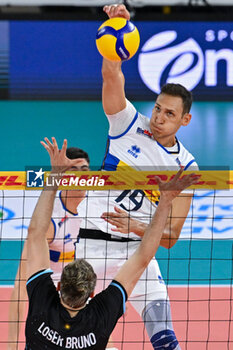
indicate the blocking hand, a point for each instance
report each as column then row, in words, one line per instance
column 176, row 185
column 59, row 161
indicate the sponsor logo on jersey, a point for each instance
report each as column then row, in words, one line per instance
column 134, row 151
column 67, row 238
column 62, row 221
column 35, row 178
column 144, row 132
column 178, row 161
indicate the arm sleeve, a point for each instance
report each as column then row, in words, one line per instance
column 119, row 122
column 192, row 166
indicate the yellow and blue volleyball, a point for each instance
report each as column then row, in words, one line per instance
column 117, row 39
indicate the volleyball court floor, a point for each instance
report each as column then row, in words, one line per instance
column 202, row 318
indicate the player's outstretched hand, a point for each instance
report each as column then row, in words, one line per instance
column 176, row 185
column 58, row 159
column 117, row 11
column 122, row 222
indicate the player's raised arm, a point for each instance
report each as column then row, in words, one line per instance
column 131, row 271
column 37, row 245
column 113, row 91
column 17, row 307
column 179, row 211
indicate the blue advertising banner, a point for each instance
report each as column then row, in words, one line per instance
column 4, row 58
column 54, row 60
column 59, row 59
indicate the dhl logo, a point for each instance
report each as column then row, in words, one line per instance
column 14, row 181
column 120, row 180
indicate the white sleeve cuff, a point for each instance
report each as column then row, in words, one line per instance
column 120, row 121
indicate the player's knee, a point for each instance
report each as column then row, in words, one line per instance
column 166, row 340
column 157, row 318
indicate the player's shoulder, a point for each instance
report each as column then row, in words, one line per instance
column 184, row 151
column 109, row 304
column 187, row 158
column 124, row 121
column 41, row 280
column 39, row 276
column 144, row 121
column 114, row 294
column 130, row 111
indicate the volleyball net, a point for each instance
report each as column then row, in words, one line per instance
column 198, row 270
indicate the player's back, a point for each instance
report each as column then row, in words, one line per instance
column 50, row 326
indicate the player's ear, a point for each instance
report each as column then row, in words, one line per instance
column 92, row 295
column 186, row 119
column 58, row 286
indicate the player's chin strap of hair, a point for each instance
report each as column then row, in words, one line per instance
column 157, row 318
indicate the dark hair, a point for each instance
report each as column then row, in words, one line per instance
column 74, row 152
column 78, row 282
column 179, row 91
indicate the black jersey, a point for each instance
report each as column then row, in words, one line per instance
column 50, row 326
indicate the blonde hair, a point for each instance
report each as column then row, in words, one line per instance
column 78, row 282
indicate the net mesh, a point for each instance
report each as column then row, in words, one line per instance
column 197, row 270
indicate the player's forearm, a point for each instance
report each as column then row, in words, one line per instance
column 113, row 80
column 139, row 228
column 113, row 93
column 16, row 317
column 154, row 231
column 13, row 325
column 12, row 345
column 16, row 313
column 169, row 239
column 134, row 267
column 110, row 69
column 170, row 234
column 176, row 220
column 43, row 211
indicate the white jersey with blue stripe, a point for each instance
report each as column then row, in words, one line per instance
column 66, row 229
column 135, row 146
column 131, row 144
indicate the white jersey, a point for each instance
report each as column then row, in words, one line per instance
column 131, row 143
column 66, row 229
